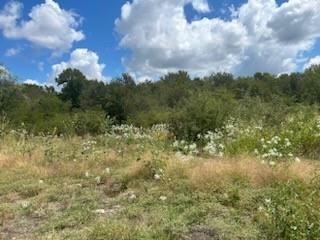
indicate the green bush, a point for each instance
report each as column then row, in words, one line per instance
column 89, row 122
column 202, row 112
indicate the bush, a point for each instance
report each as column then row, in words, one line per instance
column 89, row 122
column 202, row 112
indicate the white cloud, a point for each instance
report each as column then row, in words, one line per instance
column 312, row 61
column 296, row 21
column 49, row 26
column 11, row 52
column 32, row 82
column 84, row 60
column 161, row 39
column 200, row 5
column 261, row 36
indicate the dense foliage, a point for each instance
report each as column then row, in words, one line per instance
column 189, row 106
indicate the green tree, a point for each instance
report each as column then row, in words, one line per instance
column 73, row 82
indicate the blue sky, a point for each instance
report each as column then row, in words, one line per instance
column 152, row 39
column 98, row 26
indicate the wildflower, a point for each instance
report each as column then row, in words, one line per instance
column 132, row 197
column 193, row 147
column 267, row 201
column 25, row 204
column 100, row 211
column 41, row 181
column 294, row 228
column 175, row 144
column 157, row 177
column 98, row 179
column 163, row 198
column 287, row 142
column 107, row 170
column 298, row 160
column 272, row 163
column 87, row 174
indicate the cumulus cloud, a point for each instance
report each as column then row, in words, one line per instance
column 49, row 25
column 200, row 5
column 260, row 36
column 296, row 21
column 161, row 39
column 32, row 82
column 84, row 60
column 312, row 61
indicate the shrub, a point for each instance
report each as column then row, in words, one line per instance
column 204, row 111
column 89, row 122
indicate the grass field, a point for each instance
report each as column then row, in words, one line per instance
column 118, row 187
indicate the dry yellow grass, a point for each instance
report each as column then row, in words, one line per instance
column 200, row 173
column 35, row 164
column 217, row 173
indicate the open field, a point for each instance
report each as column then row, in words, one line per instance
column 118, row 187
column 160, row 120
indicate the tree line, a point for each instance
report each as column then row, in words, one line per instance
column 189, row 105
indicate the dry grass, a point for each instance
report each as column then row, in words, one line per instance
column 61, row 181
column 201, row 173
column 35, row 163
column 305, row 170
column 218, row 173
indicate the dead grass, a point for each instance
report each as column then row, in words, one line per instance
column 61, row 186
column 201, row 173
column 218, row 173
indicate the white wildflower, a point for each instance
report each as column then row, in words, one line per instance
column 132, row 197
column 98, row 179
column 157, row 177
column 272, row 163
column 25, row 204
column 298, row 160
column 100, row 211
column 163, row 198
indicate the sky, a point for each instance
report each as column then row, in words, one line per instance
column 149, row 38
